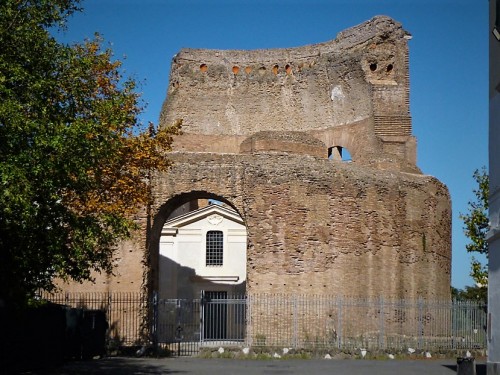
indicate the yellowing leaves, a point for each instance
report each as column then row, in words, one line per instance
column 75, row 162
column 120, row 184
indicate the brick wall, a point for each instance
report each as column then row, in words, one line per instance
column 257, row 128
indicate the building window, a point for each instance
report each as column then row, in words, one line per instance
column 215, row 247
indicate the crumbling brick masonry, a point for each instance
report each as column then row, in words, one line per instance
column 265, row 131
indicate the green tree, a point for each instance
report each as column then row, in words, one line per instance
column 74, row 159
column 476, row 226
column 470, row 293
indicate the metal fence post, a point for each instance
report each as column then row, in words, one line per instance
column 295, row 322
column 420, row 332
column 108, row 309
column 202, row 316
column 154, row 325
column 339, row 322
column 108, row 318
column 453, row 324
column 381, row 340
column 249, row 303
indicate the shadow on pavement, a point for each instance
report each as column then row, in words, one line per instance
column 111, row 366
column 480, row 368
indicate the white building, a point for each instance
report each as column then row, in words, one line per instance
column 493, row 364
column 203, row 251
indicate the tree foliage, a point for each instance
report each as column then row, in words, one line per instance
column 476, row 225
column 470, row 293
column 74, row 160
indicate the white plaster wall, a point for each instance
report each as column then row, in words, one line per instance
column 182, row 268
column 494, row 240
column 167, row 271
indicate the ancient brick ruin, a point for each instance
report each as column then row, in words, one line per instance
column 265, row 131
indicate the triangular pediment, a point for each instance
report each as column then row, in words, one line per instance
column 212, row 212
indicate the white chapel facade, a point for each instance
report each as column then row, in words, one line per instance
column 204, row 250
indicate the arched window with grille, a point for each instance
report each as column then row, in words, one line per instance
column 215, row 248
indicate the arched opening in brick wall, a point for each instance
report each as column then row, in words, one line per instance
column 200, row 246
column 339, row 153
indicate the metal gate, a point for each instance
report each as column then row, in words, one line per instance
column 214, row 307
column 183, row 325
column 223, row 318
column 178, row 326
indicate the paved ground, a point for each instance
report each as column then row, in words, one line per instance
column 148, row 366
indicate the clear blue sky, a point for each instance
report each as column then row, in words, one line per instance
column 448, row 64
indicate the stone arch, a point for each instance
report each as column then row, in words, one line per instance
column 357, row 138
column 220, row 279
column 339, row 153
column 179, row 199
